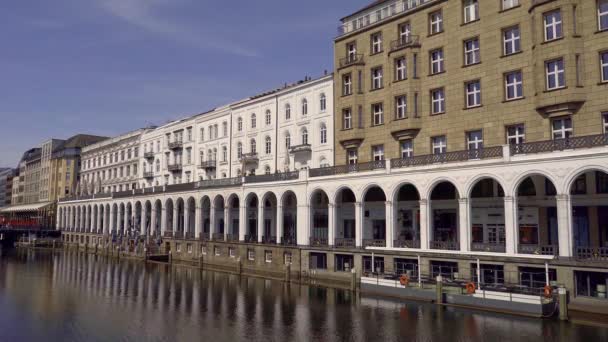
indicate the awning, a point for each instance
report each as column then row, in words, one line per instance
column 25, row 207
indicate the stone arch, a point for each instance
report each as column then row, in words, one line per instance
column 471, row 183
column 522, row 177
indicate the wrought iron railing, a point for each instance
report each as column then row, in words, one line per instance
column 175, row 167
column 232, row 237
column 351, row 168
column 180, row 187
column 149, row 174
column 448, row 157
column 316, row 241
column 591, row 253
column 251, row 238
column 289, row 241
column 445, row 245
column 538, row 249
column 273, row 177
column 149, row 155
column 223, row 182
column 271, row 240
column 571, row 143
column 189, row 235
column 178, row 235
column 374, row 243
column 249, row 157
column 168, row 234
column 300, row 148
column 209, row 164
column 217, row 236
column 488, row 247
column 404, row 42
column 204, row 236
column 344, row 243
column 406, row 243
column 351, row 60
column 176, row 144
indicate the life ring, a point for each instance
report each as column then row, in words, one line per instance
column 404, row 280
column 470, row 288
column 548, row 291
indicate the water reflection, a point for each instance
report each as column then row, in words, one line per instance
column 79, row 297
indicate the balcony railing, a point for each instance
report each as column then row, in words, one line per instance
column 175, row 167
column 232, row 237
column 174, row 145
column 347, row 61
column 571, row 143
column 269, row 240
column 488, row 247
column 204, row 236
column 445, row 245
column 208, row 165
column 300, row 148
column 289, row 241
column 168, row 234
column 406, row 243
column 342, row 169
column 251, row 238
column 449, row 157
column 217, row 237
column 591, row 253
column 404, row 42
column 344, row 243
column 178, row 235
column 249, row 158
column 149, row 155
column 180, row 187
column 538, row 249
column 149, row 174
column 275, row 177
column 216, row 183
column 315, row 241
column 374, row 243
column 189, row 235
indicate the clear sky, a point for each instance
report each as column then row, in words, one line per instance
column 110, row 66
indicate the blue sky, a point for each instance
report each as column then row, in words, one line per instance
column 109, row 66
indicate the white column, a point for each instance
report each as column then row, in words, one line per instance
column 564, row 225
column 112, row 214
column 98, row 226
column 198, row 225
column 302, row 226
column 463, row 225
column 358, row 224
column 260, row 221
column 511, row 230
column 163, row 221
column 186, row 217
column 279, row 223
column 226, row 223
column 152, row 221
column 144, row 220
column 390, row 226
column 212, row 226
column 331, row 224
column 175, row 217
column 242, row 223
column 425, row 224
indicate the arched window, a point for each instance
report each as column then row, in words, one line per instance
column 211, row 137
column 217, row 130
column 157, row 165
column 209, row 155
column 214, row 154
column 224, row 154
column 323, row 102
column 267, row 169
column 268, row 118
column 287, row 140
column 304, row 107
column 252, row 146
column 238, row 172
column 253, row 121
column 304, row 136
column 287, row 111
column 224, row 129
column 201, row 155
column 239, row 124
column 268, row 145
column 224, row 175
column 323, row 134
column 239, row 150
column 323, row 162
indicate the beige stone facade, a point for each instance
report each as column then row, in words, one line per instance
column 579, row 47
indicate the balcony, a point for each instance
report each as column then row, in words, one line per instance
column 343, row 169
column 289, row 241
column 488, row 247
column 406, row 41
column 538, row 249
column 598, row 254
column 189, row 235
column 251, row 238
column 445, row 245
column 148, row 174
column 208, row 165
column 178, row 235
column 204, row 236
column 345, row 243
column 449, row 157
column 249, row 158
column 303, row 148
column 406, row 243
column 232, row 237
column 275, row 177
column 356, row 59
column 217, row 236
column 218, row 183
column 176, row 145
column 315, row 241
column 269, row 240
column 175, row 167
column 572, row 143
column 149, row 155
column 168, row 234
column 374, row 243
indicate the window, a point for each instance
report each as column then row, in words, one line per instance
column 250, row 254
column 605, row 122
column 347, row 84
column 351, row 51
column 602, row 14
column 506, row 4
column 436, row 57
column 347, row 118
column 376, row 41
column 252, row 146
column 231, row 252
column 253, row 120
column 268, row 256
column 439, row 144
column 267, row 170
column 513, row 86
column 401, row 107
column 378, row 152
column 437, row 101
column 562, row 128
column 407, row 149
column 268, row 118
column 553, row 25
column 323, row 134
column 555, row 74
column 304, row 136
column 435, row 22
column 224, row 154
column 287, row 140
column 377, row 114
column 287, row 258
column 471, row 51
column 287, row 111
column 604, row 66
column 225, row 128
column 400, row 69
column 304, row 107
column 516, row 134
column 239, row 124
column 471, row 10
column 511, row 40
column 352, row 156
column 323, row 102
column 239, row 150
column 473, row 94
column 268, row 145
column 475, row 140
column 377, row 78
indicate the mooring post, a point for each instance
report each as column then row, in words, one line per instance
column 563, row 303
column 439, row 290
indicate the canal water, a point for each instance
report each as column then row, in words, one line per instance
column 77, row 297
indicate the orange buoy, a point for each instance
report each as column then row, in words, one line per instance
column 548, row 291
column 470, row 288
column 404, row 280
